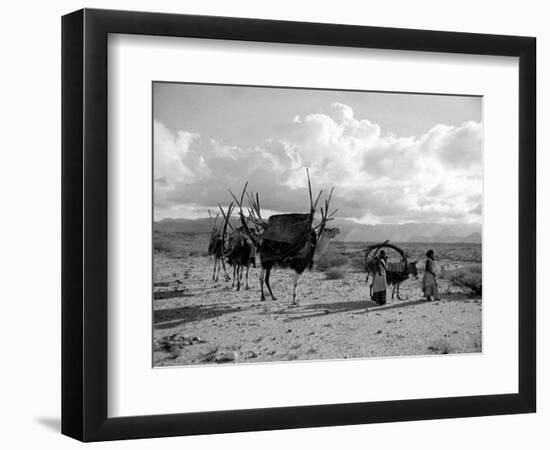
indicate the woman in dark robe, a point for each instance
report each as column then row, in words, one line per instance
column 429, row 282
column 379, row 284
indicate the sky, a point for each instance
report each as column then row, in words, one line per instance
column 391, row 157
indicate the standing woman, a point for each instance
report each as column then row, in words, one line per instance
column 379, row 284
column 429, row 282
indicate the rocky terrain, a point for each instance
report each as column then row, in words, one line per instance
column 200, row 321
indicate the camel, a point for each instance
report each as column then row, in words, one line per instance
column 240, row 255
column 287, row 240
column 216, row 246
column 238, row 251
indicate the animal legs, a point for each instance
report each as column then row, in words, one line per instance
column 239, row 276
column 268, row 271
column 398, row 291
column 262, row 274
column 295, row 278
column 224, row 269
column 246, row 279
column 216, row 266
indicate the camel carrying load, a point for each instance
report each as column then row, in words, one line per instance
column 216, row 244
column 288, row 240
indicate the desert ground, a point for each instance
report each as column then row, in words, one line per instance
column 201, row 321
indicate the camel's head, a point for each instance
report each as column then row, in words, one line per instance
column 329, row 233
column 322, row 244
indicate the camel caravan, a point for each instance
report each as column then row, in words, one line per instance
column 291, row 241
column 284, row 240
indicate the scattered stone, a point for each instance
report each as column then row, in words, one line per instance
column 250, row 354
column 209, row 355
column 378, row 332
column 289, row 331
column 174, row 342
column 226, row 356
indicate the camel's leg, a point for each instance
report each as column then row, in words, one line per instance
column 216, row 266
column 234, row 274
column 393, row 291
column 262, row 274
column 224, row 269
column 239, row 276
column 268, row 271
column 214, row 273
column 398, row 291
column 246, row 278
column 295, row 278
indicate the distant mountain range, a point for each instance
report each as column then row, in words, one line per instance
column 353, row 231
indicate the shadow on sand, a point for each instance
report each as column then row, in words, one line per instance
column 171, row 317
column 323, row 309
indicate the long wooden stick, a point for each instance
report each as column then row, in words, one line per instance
column 309, row 187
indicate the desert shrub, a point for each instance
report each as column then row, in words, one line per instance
column 468, row 277
column 334, row 273
column 357, row 263
column 442, row 347
column 331, row 259
column 162, row 246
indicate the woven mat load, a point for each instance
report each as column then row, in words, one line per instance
column 287, row 228
column 397, row 266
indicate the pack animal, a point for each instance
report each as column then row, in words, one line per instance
column 396, row 273
column 240, row 254
column 216, row 248
column 287, row 240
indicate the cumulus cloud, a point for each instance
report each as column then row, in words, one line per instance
column 377, row 177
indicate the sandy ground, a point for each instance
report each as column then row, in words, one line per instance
column 205, row 322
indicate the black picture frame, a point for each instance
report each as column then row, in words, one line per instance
column 84, row 224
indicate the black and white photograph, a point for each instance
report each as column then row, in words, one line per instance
column 294, row 224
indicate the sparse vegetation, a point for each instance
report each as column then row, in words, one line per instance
column 331, row 259
column 332, row 303
column 334, row 273
column 357, row 263
column 162, row 246
column 468, row 277
column 179, row 245
column 442, row 347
